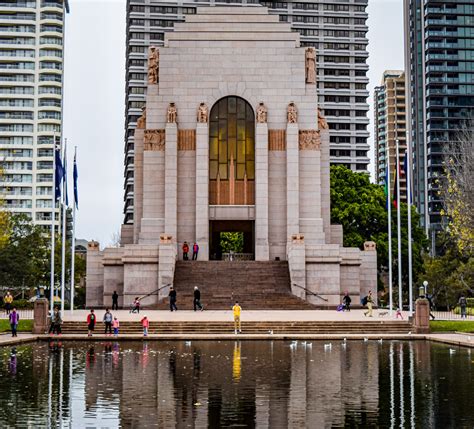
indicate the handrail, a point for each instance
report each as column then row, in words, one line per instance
column 152, row 293
column 310, row 292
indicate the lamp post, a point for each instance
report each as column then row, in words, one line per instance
column 423, row 289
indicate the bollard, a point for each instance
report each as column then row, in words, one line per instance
column 40, row 316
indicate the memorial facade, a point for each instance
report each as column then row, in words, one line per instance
column 231, row 140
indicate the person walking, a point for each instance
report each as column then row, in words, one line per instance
column 8, row 300
column 236, row 309
column 463, row 304
column 195, row 251
column 185, row 251
column 197, row 299
column 145, row 324
column 430, row 302
column 116, row 326
column 115, row 301
column 91, row 319
column 14, row 319
column 56, row 321
column 172, row 297
column 135, row 307
column 370, row 302
column 108, row 321
column 347, row 301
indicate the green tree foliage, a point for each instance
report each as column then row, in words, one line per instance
column 232, row 241
column 360, row 207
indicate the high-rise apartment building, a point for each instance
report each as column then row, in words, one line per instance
column 439, row 58
column 336, row 28
column 390, row 126
column 31, row 85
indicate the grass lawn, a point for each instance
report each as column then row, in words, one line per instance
column 452, row 325
column 24, row 326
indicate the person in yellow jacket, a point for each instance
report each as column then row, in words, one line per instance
column 237, row 309
column 8, row 300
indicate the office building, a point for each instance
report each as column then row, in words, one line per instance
column 390, row 126
column 31, row 84
column 439, row 58
column 336, row 29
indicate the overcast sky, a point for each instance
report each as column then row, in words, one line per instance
column 95, row 97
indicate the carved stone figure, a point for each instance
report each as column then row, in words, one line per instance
column 202, row 113
column 309, row 140
column 292, row 113
column 310, row 65
column 172, row 114
column 262, row 113
column 141, row 121
column 154, row 140
column 322, row 123
column 153, row 64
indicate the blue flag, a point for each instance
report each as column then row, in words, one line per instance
column 74, row 176
column 65, row 177
column 59, row 172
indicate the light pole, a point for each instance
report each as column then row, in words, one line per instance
column 424, row 289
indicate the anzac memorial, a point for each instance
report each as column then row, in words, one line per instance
column 231, row 140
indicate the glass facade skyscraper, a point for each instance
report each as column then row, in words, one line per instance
column 440, row 79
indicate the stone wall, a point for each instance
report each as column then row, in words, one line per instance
column 94, row 276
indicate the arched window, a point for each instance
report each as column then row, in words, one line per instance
column 232, row 153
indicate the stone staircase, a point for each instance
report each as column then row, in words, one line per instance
column 258, row 327
column 256, row 285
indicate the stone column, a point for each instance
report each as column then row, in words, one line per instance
column 171, row 180
column 422, row 316
column 202, row 190
column 292, row 181
column 261, row 193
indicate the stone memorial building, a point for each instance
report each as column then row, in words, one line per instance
column 231, row 140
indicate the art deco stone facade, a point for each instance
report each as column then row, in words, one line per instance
column 247, row 54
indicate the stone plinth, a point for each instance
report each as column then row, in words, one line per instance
column 41, row 311
column 422, row 316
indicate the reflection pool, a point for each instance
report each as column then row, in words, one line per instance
column 264, row 384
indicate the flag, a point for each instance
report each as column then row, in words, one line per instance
column 385, row 190
column 405, row 170
column 66, row 199
column 59, row 171
column 74, row 177
column 395, row 201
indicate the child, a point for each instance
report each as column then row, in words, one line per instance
column 145, row 323
column 399, row 314
column 116, row 325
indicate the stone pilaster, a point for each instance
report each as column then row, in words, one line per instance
column 202, row 190
column 261, row 193
column 171, row 180
column 292, row 180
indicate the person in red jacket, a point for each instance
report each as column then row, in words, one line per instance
column 91, row 319
column 185, row 251
column 145, row 323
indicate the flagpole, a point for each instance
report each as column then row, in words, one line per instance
column 410, row 250
column 73, row 241
column 389, row 205
column 53, row 218
column 399, row 231
column 63, row 243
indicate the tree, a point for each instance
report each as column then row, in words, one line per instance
column 232, row 241
column 457, row 189
column 360, row 207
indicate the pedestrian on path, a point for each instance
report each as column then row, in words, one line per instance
column 463, row 304
column 430, row 302
column 370, row 302
column 195, row 251
column 145, row 324
column 237, row 310
column 197, row 299
column 185, row 251
column 115, row 301
column 56, row 321
column 172, row 297
column 116, row 326
column 347, row 302
column 8, row 300
column 14, row 318
column 91, row 319
column 135, row 307
column 108, row 321
column 399, row 314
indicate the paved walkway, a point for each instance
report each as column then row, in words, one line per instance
column 247, row 316
column 7, row 339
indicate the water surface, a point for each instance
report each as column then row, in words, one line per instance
column 264, row 384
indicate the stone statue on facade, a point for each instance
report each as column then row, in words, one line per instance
column 292, row 113
column 310, row 65
column 322, row 123
column 153, row 64
column 202, row 114
column 141, row 121
column 262, row 113
column 172, row 114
